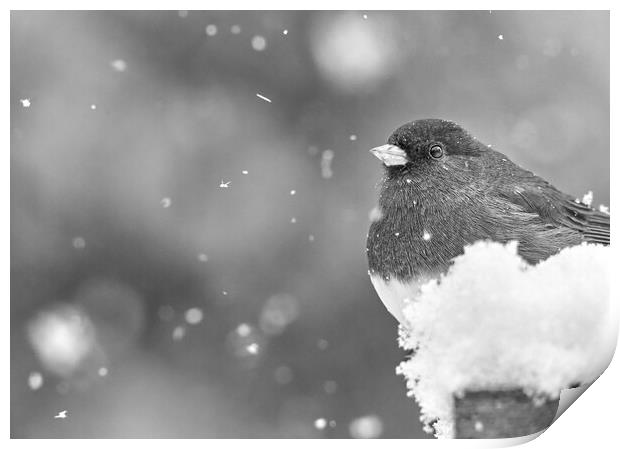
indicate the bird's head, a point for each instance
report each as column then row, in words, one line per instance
column 430, row 149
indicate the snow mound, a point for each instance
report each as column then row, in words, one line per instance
column 495, row 322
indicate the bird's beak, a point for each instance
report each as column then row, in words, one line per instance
column 390, row 155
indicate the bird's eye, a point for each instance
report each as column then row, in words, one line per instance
column 435, row 151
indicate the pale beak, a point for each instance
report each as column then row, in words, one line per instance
column 390, row 155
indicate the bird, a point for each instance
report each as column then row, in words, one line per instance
column 442, row 189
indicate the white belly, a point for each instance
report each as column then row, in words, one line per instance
column 396, row 294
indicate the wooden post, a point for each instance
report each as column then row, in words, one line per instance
column 501, row 414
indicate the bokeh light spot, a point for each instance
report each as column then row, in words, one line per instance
column 353, row 55
column 62, row 339
column 193, row 315
column 35, row 380
column 259, row 43
column 369, row 426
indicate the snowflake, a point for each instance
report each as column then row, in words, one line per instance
column 262, row 97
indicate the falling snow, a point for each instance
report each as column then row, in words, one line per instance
column 25, row 102
column 78, row 243
column 326, row 164
column 103, row 371
column 293, row 192
column 211, row 30
column 330, row 386
column 235, row 29
column 278, row 312
column 369, row 426
column 93, row 106
column 587, row 198
column 285, row 32
column 259, row 43
column 165, row 202
column 35, row 380
column 375, row 214
column 178, row 333
column 202, row 257
column 62, row 338
column 224, row 185
column 244, row 172
column 119, row 65
column 501, row 37
column 245, row 342
column 193, row 315
column 244, row 329
column 320, row 423
column 61, row 415
column 262, row 97
column 352, row 137
column 426, row 236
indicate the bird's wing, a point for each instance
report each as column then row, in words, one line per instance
column 535, row 195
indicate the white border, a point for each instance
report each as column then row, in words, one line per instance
column 591, row 421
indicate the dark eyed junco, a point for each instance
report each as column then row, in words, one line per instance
column 443, row 189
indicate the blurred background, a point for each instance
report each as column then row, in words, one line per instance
column 190, row 195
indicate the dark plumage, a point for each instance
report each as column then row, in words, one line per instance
column 434, row 202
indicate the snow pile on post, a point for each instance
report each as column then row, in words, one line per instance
column 494, row 322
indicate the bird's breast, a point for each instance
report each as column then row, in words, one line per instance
column 396, row 294
column 407, row 244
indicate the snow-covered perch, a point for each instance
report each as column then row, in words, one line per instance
column 495, row 340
